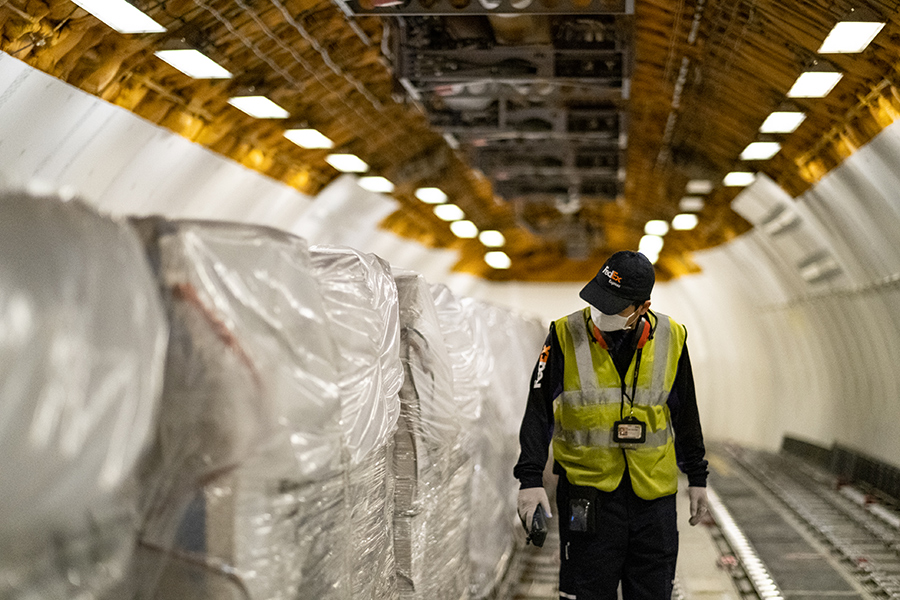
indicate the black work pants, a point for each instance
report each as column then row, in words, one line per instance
column 634, row 541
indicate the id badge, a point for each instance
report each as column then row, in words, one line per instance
column 629, row 431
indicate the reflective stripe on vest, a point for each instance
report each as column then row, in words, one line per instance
column 591, row 403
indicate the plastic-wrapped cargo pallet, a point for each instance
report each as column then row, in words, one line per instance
column 82, row 344
column 361, row 302
column 471, row 372
column 506, row 347
column 432, row 466
column 247, row 475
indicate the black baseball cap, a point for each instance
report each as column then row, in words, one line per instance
column 625, row 278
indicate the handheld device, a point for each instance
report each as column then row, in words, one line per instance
column 538, row 532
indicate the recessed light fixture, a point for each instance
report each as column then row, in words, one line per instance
column 699, row 186
column 814, row 84
column 376, row 184
column 498, row 259
column 464, row 229
column 852, row 35
column 258, row 107
column 492, row 238
column 691, row 204
column 308, row 138
column 121, row 16
column 656, row 227
column 193, row 63
column 760, row 151
column 347, row 163
column 431, row 195
column 684, row 222
column 739, row 178
column 653, row 257
column 782, row 122
column 651, row 244
column 449, row 212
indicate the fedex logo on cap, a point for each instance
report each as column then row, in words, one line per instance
column 614, row 277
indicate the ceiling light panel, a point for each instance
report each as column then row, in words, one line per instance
column 449, row 212
column 739, row 179
column 651, row 244
column 498, row 260
column 691, row 204
column 347, row 163
column 782, row 122
column 121, row 16
column 760, row 151
column 194, row 64
column 464, row 229
column 699, row 186
column 656, row 227
column 814, row 84
column 258, row 107
column 684, row 222
column 376, row 184
column 850, row 37
column 492, row 238
column 308, row 138
column 431, row 195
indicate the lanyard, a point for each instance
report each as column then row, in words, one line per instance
column 637, row 369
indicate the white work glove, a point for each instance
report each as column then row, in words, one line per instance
column 699, row 504
column 528, row 501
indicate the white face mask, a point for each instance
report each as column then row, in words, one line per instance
column 605, row 322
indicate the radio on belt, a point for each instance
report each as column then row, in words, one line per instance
column 629, row 431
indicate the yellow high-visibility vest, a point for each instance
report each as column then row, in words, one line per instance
column 591, row 402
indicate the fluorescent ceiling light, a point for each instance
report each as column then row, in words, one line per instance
column 650, row 244
column 684, row 222
column 497, row 259
column 308, row 138
column 258, row 107
column 464, row 229
column 651, row 256
column 850, row 37
column 492, row 238
column 431, row 195
column 782, row 122
column 699, row 186
column 121, row 16
column 194, row 64
column 449, row 212
column 376, row 184
column 691, row 204
column 739, row 178
column 760, row 151
column 347, row 163
column 656, row 227
column 814, row 84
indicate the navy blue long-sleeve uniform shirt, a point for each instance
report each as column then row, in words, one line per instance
column 536, row 431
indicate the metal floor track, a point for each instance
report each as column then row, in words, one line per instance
column 816, row 539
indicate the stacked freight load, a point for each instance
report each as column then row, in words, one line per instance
column 361, row 303
column 319, row 426
column 432, row 465
column 506, row 347
column 82, row 342
column 247, row 471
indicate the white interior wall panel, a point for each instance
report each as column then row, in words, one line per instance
column 779, row 353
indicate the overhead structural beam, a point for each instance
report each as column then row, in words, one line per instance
column 487, row 7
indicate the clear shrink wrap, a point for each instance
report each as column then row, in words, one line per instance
column 506, row 346
column 246, row 479
column 361, row 302
column 82, row 345
column 431, row 464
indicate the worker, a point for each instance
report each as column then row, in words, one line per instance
column 614, row 391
